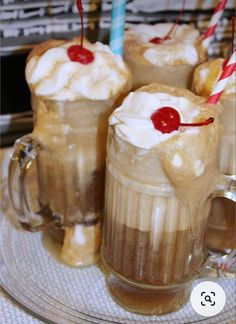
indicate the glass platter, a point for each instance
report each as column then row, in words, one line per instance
column 56, row 293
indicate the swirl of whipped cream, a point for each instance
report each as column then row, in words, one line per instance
column 179, row 49
column 132, row 120
column 54, row 76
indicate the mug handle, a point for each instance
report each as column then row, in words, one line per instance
column 26, row 149
column 226, row 188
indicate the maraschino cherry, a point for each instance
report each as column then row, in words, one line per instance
column 160, row 40
column 78, row 53
column 167, row 120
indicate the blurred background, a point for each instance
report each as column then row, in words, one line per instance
column 28, row 22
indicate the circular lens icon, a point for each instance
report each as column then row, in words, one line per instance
column 208, row 298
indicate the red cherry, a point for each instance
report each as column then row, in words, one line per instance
column 156, row 40
column 167, row 120
column 77, row 53
column 159, row 40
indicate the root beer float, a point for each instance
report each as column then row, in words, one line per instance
column 168, row 53
column 160, row 53
column 157, row 196
column 221, row 227
column 75, row 86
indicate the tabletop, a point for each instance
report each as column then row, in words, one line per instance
column 12, row 313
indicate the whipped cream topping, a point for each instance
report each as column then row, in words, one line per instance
column 132, row 120
column 54, row 76
column 230, row 86
column 181, row 47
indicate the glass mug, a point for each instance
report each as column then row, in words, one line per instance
column 153, row 241
column 66, row 154
column 171, row 71
column 221, row 233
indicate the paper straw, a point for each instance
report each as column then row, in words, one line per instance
column 117, row 26
column 208, row 35
column 228, row 70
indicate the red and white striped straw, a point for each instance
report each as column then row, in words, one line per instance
column 208, row 35
column 228, row 70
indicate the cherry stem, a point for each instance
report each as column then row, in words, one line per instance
column 80, row 9
column 176, row 21
column 233, row 27
column 206, row 122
